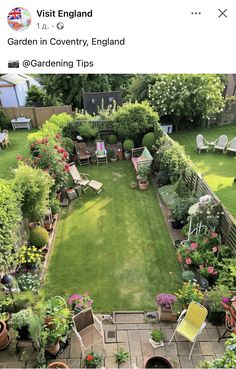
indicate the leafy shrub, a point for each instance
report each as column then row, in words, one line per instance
column 181, row 188
column 112, row 139
column 39, row 236
column 215, row 296
column 168, row 195
column 149, row 140
column 20, row 319
column 189, row 292
column 128, row 145
column 29, row 282
column 10, row 216
column 60, row 120
column 4, row 121
column 227, row 273
column 111, row 154
column 68, row 144
column 180, row 209
column 188, row 275
column 131, row 120
column 157, row 335
column 34, row 186
column 87, row 131
column 71, row 129
column 54, row 205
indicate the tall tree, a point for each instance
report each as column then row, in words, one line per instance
column 187, row 97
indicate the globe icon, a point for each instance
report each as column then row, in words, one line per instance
column 19, row 19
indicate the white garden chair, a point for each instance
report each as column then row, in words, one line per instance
column 231, row 147
column 202, row 143
column 221, row 143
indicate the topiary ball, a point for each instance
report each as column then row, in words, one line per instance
column 112, row 139
column 39, row 236
column 128, row 145
column 149, row 140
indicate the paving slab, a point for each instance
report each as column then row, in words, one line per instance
column 213, row 334
column 171, row 349
column 110, row 349
column 185, row 362
column 125, row 326
column 110, row 362
column 167, row 334
column 174, row 360
column 208, row 348
column 135, row 349
column 74, row 363
column 128, row 317
column 183, row 348
column 122, row 336
column 134, row 336
column 12, row 364
column 147, row 349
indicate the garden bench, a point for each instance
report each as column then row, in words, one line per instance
column 141, row 157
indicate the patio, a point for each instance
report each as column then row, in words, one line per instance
column 131, row 331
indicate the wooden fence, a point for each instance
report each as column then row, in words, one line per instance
column 37, row 115
column 199, row 187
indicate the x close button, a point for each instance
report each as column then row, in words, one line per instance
column 222, row 13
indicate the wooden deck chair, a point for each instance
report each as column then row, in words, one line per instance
column 191, row 323
column 101, row 152
column 202, row 143
column 79, row 178
column 231, row 147
column 82, row 153
column 88, row 330
column 221, row 143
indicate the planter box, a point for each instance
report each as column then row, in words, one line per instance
column 156, row 344
column 164, row 315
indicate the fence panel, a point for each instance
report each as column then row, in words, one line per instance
column 37, row 115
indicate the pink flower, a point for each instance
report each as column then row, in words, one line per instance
column 19, row 157
column 215, row 249
column 214, row 234
column 194, row 245
column 188, row 261
column 210, row 270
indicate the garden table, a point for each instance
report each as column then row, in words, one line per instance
column 21, row 122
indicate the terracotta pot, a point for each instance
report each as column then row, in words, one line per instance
column 4, row 337
column 54, row 348
column 58, row 364
column 143, row 185
column 158, row 362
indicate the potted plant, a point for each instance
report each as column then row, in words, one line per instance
column 143, row 172
column 58, row 364
column 111, row 155
column 20, row 323
column 93, row 360
column 128, row 145
column 156, row 338
column 133, row 185
column 165, row 302
column 4, row 336
column 79, row 302
column 179, row 212
column 121, row 355
column 189, row 292
column 143, row 184
column 30, row 257
column 216, row 312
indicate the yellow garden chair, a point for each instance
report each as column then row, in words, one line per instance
column 191, row 323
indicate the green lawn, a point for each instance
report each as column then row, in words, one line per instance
column 217, row 169
column 116, row 246
column 8, row 156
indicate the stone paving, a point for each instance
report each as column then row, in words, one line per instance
column 132, row 332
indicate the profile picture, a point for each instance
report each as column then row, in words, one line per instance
column 19, row 19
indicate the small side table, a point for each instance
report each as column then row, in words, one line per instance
column 120, row 154
column 211, row 145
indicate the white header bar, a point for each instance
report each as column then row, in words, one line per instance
column 93, row 36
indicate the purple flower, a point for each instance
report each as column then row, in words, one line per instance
column 165, row 300
column 226, row 300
